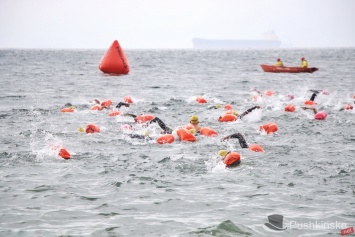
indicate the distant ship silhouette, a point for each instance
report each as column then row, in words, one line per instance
column 269, row 40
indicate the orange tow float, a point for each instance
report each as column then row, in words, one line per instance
column 269, row 128
column 231, row 158
column 167, row 138
column 227, row 118
column 208, row 132
column 290, row 108
column 92, row 128
column 185, row 135
column 201, row 100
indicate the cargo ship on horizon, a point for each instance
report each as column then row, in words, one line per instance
column 270, row 40
column 199, row 43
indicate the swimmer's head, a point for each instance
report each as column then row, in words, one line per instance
column 194, row 119
column 126, row 127
column 228, row 107
column 222, row 152
column 218, row 106
column 72, row 107
column 80, row 129
column 146, row 134
column 192, row 131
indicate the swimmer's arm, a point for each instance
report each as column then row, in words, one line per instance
column 130, row 115
column 314, row 109
column 119, row 105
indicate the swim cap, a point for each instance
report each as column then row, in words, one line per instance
column 126, row 127
column 80, row 129
column 146, row 134
column 222, row 152
column 194, row 118
column 72, row 107
column 192, row 131
column 218, row 106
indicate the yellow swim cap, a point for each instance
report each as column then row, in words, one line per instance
column 235, row 113
column 80, row 129
column 192, row 131
column 194, row 118
column 218, row 106
column 146, row 134
column 223, row 152
column 72, row 107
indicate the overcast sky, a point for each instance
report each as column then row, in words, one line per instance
column 142, row 24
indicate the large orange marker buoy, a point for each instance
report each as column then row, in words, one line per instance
column 115, row 60
column 269, row 128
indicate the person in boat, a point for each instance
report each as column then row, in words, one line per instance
column 162, row 125
column 231, row 159
column 279, row 63
column 304, row 63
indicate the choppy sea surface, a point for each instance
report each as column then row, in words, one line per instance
column 115, row 185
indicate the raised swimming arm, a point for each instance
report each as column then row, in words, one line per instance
column 240, row 137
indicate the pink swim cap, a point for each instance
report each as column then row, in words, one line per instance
column 320, row 115
column 125, row 127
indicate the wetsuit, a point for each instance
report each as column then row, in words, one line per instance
column 314, row 95
column 162, row 125
column 248, row 111
column 119, row 105
column 241, row 139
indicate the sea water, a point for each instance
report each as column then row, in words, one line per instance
column 115, row 185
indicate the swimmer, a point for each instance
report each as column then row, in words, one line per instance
column 240, row 137
column 142, row 137
column 194, row 124
column 314, row 95
column 119, row 105
column 229, row 158
column 317, row 115
column 162, row 125
column 240, row 116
